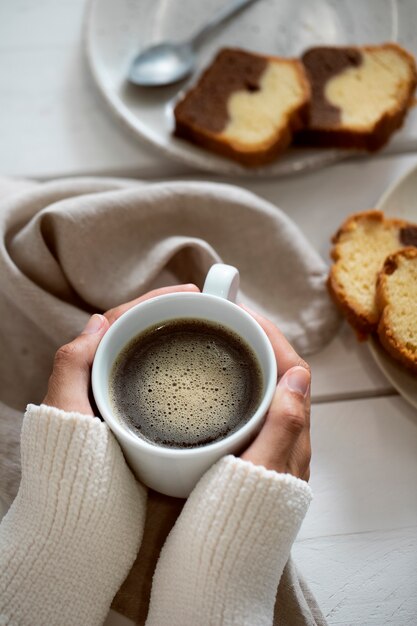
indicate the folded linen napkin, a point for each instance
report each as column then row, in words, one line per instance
column 71, row 247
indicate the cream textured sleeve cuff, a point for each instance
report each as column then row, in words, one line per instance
column 73, row 531
column 223, row 560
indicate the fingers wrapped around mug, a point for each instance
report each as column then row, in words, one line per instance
column 69, row 383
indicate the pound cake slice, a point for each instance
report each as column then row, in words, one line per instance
column 360, row 95
column 360, row 248
column 245, row 106
column 396, row 295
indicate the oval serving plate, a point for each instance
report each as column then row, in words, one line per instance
column 117, row 31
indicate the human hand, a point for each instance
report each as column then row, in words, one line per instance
column 69, row 383
column 283, row 443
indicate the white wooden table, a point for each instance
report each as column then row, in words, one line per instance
column 358, row 544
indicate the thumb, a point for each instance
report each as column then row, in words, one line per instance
column 286, row 421
column 69, row 383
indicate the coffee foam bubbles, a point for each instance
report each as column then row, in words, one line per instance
column 186, row 383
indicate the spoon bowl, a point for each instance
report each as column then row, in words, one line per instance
column 162, row 64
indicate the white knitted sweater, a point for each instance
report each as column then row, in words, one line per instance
column 75, row 527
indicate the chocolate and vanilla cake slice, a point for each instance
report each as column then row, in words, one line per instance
column 245, row 106
column 360, row 95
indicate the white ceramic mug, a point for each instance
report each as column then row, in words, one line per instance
column 175, row 471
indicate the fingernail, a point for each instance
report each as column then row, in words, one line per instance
column 298, row 380
column 93, row 325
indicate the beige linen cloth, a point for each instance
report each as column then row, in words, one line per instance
column 72, row 247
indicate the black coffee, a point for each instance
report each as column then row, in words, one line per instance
column 185, row 383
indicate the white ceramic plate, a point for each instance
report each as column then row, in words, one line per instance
column 116, row 30
column 399, row 201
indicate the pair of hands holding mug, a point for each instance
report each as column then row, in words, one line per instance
column 283, row 444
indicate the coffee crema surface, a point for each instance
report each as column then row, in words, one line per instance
column 185, row 383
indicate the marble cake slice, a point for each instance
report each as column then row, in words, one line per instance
column 360, row 248
column 245, row 106
column 360, row 95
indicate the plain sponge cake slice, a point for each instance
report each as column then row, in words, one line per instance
column 360, row 95
column 397, row 302
column 359, row 251
column 245, row 106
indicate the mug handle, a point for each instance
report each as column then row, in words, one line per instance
column 222, row 281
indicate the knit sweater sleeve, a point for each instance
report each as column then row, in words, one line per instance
column 73, row 531
column 223, row 560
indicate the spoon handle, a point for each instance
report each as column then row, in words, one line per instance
column 218, row 18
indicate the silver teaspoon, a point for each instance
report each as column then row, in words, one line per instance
column 169, row 62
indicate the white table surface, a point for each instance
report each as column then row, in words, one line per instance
column 358, row 544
